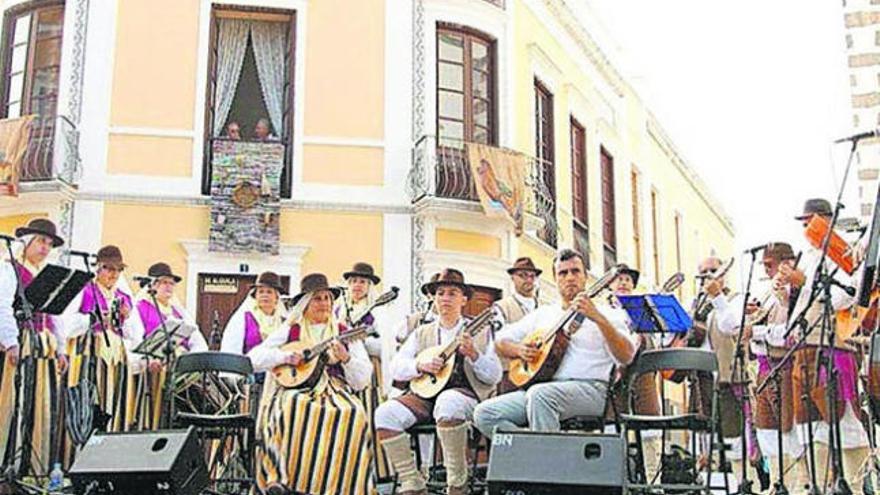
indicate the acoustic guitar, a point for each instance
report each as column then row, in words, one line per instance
column 308, row 372
column 428, row 386
column 552, row 342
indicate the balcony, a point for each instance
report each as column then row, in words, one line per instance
column 51, row 160
column 443, row 171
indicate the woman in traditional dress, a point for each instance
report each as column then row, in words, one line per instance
column 38, row 432
column 257, row 317
column 352, row 309
column 101, row 322
column 315, row 441
column 147, row 388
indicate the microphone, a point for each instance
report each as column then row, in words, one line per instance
column 8, row 238
column 755, row 249
column 859, row 136
column 143, row 280
column 73, row 252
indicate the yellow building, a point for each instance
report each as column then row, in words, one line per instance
column 373, row 101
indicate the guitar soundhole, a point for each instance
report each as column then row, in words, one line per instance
column 433, row 378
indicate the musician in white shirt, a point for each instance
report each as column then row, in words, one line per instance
column 580, row 385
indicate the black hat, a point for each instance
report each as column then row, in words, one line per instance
column 524, row 264
column 268, row 279
column 161, row 269
column 41, row 226
column 361, row 269
column 315, row 282
column 111, row 255
column 449, row 276
column 815, row 206
column 624, row 269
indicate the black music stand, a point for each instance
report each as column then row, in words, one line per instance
column 54, row 288
column 154, row 345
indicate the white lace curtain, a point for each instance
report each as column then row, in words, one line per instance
column 269, row 41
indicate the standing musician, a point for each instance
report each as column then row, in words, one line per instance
column 37, row 434
column 646, row 397
column 810, row 394
column 101, row 324
column 766, row 326
column 518, row 303
column 472, row 382
column 258, row 317
column 147, row 389
column 580, row 385
column 315, row 441
column 352, row 308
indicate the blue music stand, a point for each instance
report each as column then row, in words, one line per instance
column 656, row 313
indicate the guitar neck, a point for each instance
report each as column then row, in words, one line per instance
column 358, row 333
column 472, row 328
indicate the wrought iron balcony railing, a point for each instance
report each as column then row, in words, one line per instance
column 442, row 170
column 52, row 151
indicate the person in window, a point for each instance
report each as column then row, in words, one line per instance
column 336, row 457
column 233, row 131
column 262, row 131
column 39, row 424
column 147, row 391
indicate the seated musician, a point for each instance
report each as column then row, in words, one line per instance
column 336, row 457
column 811, row 402
column 38, row 421
column 453, row 407
column 580, row 384
column 646, row 398
column 146, row 389
column 258, row 316
column 100, row 322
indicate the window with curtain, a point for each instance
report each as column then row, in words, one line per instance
column 609, row 229
column 250, row 81
column 544, row 150
column 465, row 87
column 31, row 66
column 579, row 208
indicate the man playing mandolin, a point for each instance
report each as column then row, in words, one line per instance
column 471, row 381
column 580, row 384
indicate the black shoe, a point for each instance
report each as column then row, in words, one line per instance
column 276, row 489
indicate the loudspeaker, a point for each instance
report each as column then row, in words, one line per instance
column 143, row 463
column 526, row 462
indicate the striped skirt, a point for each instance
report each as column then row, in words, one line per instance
column 371, row 397
column 40, row 424
column 144, row 400
column 315, row 441
column 7, row 403
column 111, row 377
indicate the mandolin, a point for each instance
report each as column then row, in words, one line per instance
column 428, row 386
column 309, row 371
column 552, row 342
column 383, row 299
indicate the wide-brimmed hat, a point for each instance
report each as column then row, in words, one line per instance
column 423, row 289
column 524, row 264
column 624, row 269
column 779, row 250
column 111, row 255
column 41, row 226
column 162, row 269
column 361, row 269
column 268, row 279
column 315, row 282
column 815, row 206
column 449, row 276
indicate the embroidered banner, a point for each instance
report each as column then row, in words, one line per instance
column 245, row 196
column 14, row 139
column 499, row 177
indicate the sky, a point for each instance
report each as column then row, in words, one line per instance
column 753, row 92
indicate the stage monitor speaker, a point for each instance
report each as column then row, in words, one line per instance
column 527, row 463
column 143, row 463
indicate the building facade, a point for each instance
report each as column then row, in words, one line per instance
column 375, row 102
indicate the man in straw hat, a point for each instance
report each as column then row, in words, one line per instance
column 36, row 434
column 453, row 407
column 330, row 462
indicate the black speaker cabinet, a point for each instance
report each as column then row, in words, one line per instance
column 526, row 463
column 152, row 462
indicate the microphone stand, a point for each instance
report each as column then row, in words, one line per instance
column 740, row 390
